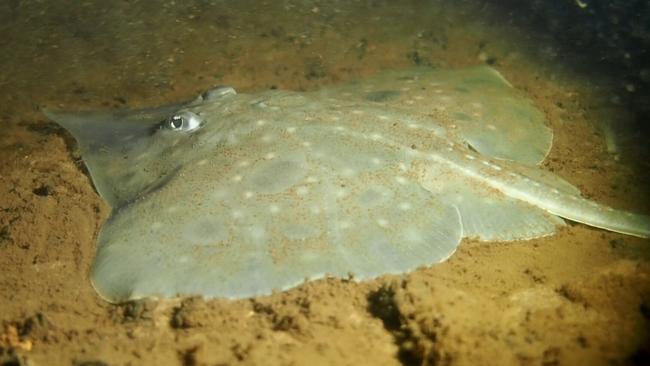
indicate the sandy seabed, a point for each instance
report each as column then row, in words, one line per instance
column 580, row 297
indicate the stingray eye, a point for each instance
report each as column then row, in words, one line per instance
column 184, row 121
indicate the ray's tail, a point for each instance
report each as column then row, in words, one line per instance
column 570, row 205
column 576, row 208
column 548, row 192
